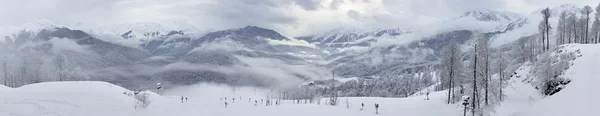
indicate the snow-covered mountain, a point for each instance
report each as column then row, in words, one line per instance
column 175, row 58
column 528, row 26
column 183, row 56
column 343, row 38
column 412, row 50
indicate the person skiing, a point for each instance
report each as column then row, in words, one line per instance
column 427, row 95
column 233, row 100
column 376, row 108
column 362, row 105
column 255, row 102
column 182, row 99
column 225, row 104
column 186, row 99
column 267, row 103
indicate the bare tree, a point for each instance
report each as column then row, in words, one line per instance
column 595, row 32
column 587, row 10
column 545, row 27
column 596, row 25
column 60, row 62
column 486, row 55
column 474, row 96
column 572, row 23
column 4, row 64
column 562, row 28
column 452, row 65
column 501, row 68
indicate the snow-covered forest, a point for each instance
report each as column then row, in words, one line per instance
column 477, row 62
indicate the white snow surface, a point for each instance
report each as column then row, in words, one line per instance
column 104, row 99
column 577, row 98
column 91, row 98
column 580, row 96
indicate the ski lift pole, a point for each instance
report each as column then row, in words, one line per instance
column 465, row 103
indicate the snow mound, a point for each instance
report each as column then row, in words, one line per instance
column 88, row 98
column 579, row 96
column 2, row 87
column 74, row 86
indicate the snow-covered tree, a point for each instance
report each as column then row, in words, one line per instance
column 75, row 74
column 596, row 26
column 561, row 29
column 581, row 22
column 572, row 28
column 142, row 99
column 586, row 11
column 5, row 71
column 60, row 62
column 451, row 68
column 545, row 27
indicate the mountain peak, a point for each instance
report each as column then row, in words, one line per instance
column 491, row 15
column 39, row 24
column 259, row 31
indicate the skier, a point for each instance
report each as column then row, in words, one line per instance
column 233, row 100
column 185, row 99
column 249, row 100
column 255, row 102
column 376, row 108
column 362, row 105
column 267, row 103
column 225, row 104
column 427, row 95
column 182, row 99
column 261, row 101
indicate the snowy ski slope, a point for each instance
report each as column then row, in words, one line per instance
column 88, row 98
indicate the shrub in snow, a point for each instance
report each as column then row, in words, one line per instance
column 550, row 68
column 142, row 100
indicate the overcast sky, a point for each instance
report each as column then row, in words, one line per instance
column 290, row 17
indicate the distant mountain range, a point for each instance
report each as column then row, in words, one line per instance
column 138, row 55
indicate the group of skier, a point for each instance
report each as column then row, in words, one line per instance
column 376, row 107
column 278, row 102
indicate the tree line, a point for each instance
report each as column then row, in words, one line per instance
column 18, row 69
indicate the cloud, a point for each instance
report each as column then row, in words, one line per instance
column 274, row 71
column 222, row 44
column 64, row 44
column 290, row 17
column 291, row 42
column 308, row 4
